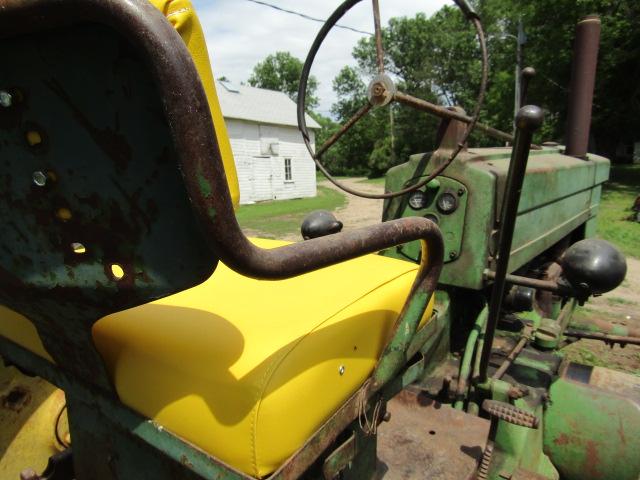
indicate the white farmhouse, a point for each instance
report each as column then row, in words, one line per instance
column 271, row 159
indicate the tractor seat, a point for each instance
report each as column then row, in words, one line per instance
column 246, row 369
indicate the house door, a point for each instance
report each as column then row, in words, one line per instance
column 262, row 179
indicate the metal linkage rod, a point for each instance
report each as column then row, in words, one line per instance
column 622, row 340
column 546, row 285
column 444, row 112
column 525, row 79
column 528, row 120
column 510, row 358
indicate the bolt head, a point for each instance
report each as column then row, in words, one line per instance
column 29, row 474
column 378, row 89
column 39, row 178
column 341, row 370
column 6, row 100
column 381, row 90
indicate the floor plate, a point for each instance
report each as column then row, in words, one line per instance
column 427, row 440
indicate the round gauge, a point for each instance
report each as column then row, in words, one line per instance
column 432, row 217
column 447, row 203
column 418, row 200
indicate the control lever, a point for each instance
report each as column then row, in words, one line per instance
column 528, row 120
column 525, row 77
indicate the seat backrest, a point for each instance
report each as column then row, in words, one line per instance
column 182, row 16
column 95, row 213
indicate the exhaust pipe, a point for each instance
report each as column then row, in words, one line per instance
column 583, row 78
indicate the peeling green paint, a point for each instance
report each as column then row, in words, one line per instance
column 204, row 185
column 394, row 356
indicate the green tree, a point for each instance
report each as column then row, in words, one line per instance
column 437, row 58
column 282, row 71
column 550, row 28
column 327, row 128
column 350, row 155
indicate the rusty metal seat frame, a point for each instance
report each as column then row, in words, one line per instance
column 154, row 204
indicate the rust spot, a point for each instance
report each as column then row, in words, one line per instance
column 185, row 461
column 563, row 439
column 16, row 399
column 592, row 459
column 623, row 439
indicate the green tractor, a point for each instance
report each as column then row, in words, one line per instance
column 144, row 336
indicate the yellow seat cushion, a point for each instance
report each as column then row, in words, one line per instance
column 246, row 369
column 249, row 369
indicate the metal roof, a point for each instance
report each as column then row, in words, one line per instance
column 258, row 105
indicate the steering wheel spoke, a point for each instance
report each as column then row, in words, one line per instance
column 378, row 36
column 362, row 111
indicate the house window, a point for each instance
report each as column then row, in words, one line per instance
column 287, row 170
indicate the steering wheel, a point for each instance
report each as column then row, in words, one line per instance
column 382, row 91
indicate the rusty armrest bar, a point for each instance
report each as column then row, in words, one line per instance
column 237, row 252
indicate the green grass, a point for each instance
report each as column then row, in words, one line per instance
column 618, row 196
column 584, row 355
column 619, row 301
column 598, row 354
column 281, row 217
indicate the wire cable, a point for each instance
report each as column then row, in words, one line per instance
column 305, row 16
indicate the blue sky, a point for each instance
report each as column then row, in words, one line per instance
column 241, row 33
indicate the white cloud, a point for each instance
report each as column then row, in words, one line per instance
column 241, row 33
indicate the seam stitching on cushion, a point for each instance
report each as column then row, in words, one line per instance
column 256, row 409
column 271, row 371
column 377, row 287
